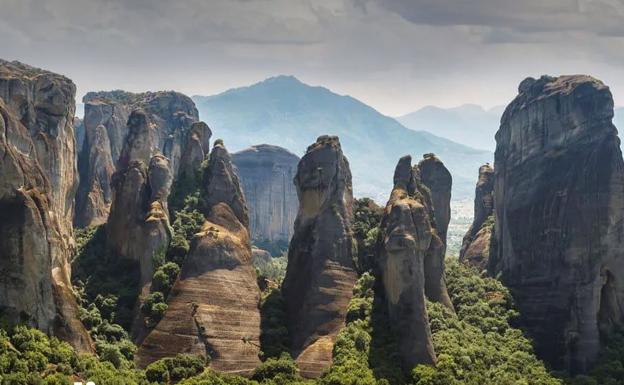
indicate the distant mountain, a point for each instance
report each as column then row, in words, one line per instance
column 468, row 124
column 286, row 112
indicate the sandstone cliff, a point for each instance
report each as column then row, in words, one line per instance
column 138, row 225
column 266, row 173
column 475, row 248
column 438, row 179
column 410, row 262
column 37, row 184
column 214, row 306
column 321, row 272
column 559, row 207
column 170, row 116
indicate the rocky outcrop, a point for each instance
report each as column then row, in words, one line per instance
column 266, row 173
column 410, row 263
column 196, row 148
column 169, row 115
column 321, row 273
column 37, row 183
column 138, row 225
column 475, row 249
column 214, row 306
column 438, row 179
column 559, row 207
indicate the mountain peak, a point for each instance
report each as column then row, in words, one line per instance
column 282, row 79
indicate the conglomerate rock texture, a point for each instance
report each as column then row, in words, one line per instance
column 559, row 206
column 321, row 273
column 170, row 116
column 214, row 306
column 475, row 249
column 410, row 263
column 266, row 173
column 37, row 184
column 437, row 178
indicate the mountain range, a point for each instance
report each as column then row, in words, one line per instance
column 284, row 111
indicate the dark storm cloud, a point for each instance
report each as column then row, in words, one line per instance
column 394, row 54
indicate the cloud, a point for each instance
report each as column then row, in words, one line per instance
column 394, row 54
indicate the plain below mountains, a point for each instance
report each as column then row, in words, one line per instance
column 286, row 112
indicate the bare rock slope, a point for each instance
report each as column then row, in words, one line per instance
column 266, row 173
column 321, row 273
column 37, row 184
column 475, row 249
column 410, row 263
column 559, row 206
column 169, row 115
column 214, row 306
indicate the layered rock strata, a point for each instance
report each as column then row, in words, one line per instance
column 321, row 273
column 559, row 207
column 214, row 306
column 475, row 249
column 37, row 183
column 266, row 173
column 410, row 263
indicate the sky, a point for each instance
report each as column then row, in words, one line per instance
column 395, row 55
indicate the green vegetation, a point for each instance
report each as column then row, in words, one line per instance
column 276, row 248
column 366, row 219
column 478, row 345
column 274, row 337
column 107, row 289
column 610, row 367
column 29, row 357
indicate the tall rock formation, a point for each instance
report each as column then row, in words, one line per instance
column 214, row 306
column 321, row 272
column 170, row 115
column 475, row 249
column 437, row 178
column 37, row 184
column 410, row 262
column 559, row 206
column 138, row 225
column 266, row 173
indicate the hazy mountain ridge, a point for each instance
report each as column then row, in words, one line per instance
column 469, row 124
column 286, row 112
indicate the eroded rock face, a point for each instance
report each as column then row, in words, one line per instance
column 410, row 262
column 138, row 225
column 475, row 248
column 559, row 200
column 437, row 178
column 321, row 272
column 37, row 181
column 196, row 147
column 168, row 116
column 214, row 306
column 266, row 173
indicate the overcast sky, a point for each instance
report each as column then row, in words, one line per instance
column 396, row 55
